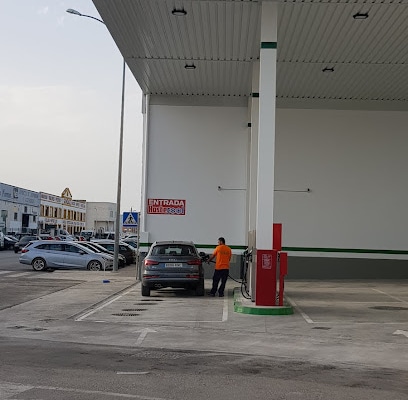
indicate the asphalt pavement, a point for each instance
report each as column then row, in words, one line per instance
column 362, row 325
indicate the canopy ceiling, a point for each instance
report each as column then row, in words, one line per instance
column 325, row 55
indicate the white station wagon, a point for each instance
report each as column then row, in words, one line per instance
column 43, row 254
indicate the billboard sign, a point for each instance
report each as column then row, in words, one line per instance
column 166, row 206
column 18, row 195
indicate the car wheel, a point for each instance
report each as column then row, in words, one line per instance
column 145, row 291
column 94, row 265
column 15, row 250
column 39, row 264
column 199, row 290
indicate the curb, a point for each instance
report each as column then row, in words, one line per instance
column 239, row 307
column 96, row 305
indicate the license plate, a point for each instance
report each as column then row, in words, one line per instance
column 174, row 265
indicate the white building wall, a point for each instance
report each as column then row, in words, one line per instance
column 192, row 151
column 16, row 204
column 100, row 216
column 355, row 163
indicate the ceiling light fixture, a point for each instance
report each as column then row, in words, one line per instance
column 360, row 15
column 327, row 69
column 179, row 12
column 190, row 66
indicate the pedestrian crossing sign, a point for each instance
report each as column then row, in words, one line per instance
column 129, row 219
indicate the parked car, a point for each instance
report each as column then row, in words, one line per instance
column 44, row 236
column 43, row 254
column 9, row 241
column 67, row 238
column 133, row 236
column 173, row 264
column 87, row 234
column 131, row 241
column 124, row 249
column 100, row 249
column 24, row 240
column 105, row 236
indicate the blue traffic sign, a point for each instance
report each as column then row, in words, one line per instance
column 129, row 219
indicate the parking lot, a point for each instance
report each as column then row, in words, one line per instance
column 363, row 322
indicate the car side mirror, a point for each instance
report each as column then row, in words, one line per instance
column 82, row 252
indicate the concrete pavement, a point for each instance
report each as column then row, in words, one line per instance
column 338, row 322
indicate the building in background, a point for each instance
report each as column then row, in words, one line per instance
column 100, row 218
column 19, row 209
column 62, row 213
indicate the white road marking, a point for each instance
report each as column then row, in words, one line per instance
column 303, row 314
column 225, row 310
column 19, row 274
column 143, row 334
column 399, row 332
column 392, row 297
column 5, row 272
column 8, row 390
column 86, row 315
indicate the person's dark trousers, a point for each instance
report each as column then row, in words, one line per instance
column 219, row 274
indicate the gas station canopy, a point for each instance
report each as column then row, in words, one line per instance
column 330, row 53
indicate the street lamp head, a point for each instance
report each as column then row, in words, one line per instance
column 72, row 11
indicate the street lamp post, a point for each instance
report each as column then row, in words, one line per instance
column 119, row 188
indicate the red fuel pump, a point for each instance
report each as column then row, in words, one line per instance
column 267, row 269
column 266, row 263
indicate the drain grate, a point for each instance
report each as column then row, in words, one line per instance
column 151, row 299
column 122, row 314
column 134, row 309
column 325, row 328
column 390, row 308
column 36, row 329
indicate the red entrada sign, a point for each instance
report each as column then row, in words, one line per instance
column 166, row 206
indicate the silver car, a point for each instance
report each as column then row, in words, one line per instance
column 43, row 254
column 100, row 249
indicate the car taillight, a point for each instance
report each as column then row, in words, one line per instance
column 150, row 276
column 151, row 262
column 193, row 276
column 24, row 250
column 194, row 262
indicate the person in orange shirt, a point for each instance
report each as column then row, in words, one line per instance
column 223, row 256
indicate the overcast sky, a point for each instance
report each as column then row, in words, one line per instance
column 60, row 94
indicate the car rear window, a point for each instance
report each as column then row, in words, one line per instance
column 173, row 250
column 27, row 239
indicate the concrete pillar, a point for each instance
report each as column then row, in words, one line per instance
column 266, row 131
column 253, row 146
column 253, row 173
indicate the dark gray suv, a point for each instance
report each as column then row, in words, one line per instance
column 173, row 264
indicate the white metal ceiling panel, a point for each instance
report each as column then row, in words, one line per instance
column 221, row 38
column 217, row 78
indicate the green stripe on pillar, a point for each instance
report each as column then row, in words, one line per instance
column 255, row 94
column 269, row 45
